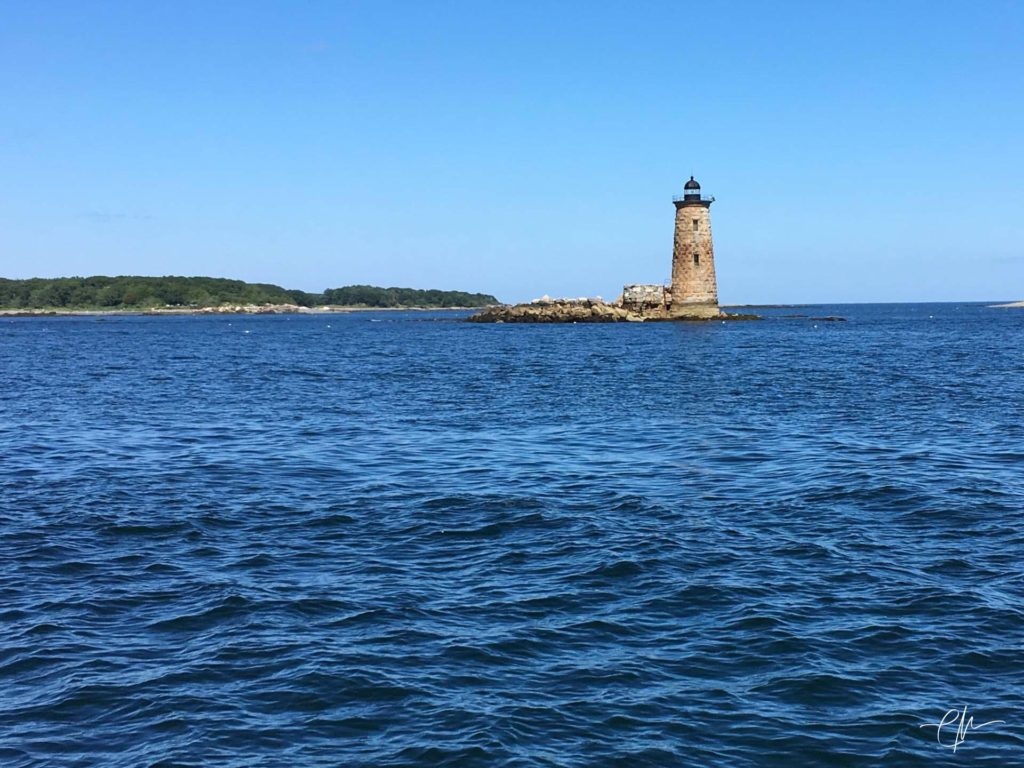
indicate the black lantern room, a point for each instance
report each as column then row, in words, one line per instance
column 691, row 190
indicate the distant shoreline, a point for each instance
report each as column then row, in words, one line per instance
column 175, row 294
column 1012, row 304
column 268, row 309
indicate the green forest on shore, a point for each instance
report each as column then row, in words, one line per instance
column 140, row 293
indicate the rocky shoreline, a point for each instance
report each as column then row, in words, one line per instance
column 598, row 311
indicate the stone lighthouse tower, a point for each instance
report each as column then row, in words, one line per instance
column 694, row 288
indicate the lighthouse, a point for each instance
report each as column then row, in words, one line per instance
column 692, row 294
column 693, row 256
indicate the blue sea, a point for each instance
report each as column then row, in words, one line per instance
column 400, row 539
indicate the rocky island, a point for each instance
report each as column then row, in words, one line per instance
column 583, row 310
column 691, row 295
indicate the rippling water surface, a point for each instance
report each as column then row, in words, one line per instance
column 397, row 539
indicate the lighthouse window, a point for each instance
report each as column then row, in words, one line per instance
column 696, row 225
column 696, row 259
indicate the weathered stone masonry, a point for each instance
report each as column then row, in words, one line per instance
column 693, row 255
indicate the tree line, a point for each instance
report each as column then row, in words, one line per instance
column 372, row 296
column 128, row 292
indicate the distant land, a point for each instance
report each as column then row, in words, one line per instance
column 133, row 293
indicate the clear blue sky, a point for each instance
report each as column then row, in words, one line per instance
column 868, row 151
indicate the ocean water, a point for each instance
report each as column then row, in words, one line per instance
column 398, row 539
